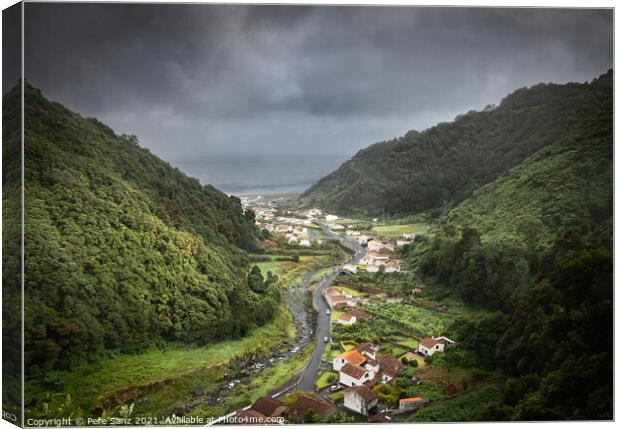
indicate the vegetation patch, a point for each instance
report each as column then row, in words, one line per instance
column 325, row 379
column 470, row 407
column 398, row 230
column 132, row 378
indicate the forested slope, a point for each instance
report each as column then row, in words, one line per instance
column 122, row 250
column 444, row 165
column 566, row 185
column 537, row 246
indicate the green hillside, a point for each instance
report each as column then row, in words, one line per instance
column 122, row 250
column 536, row 245
column 444, row 165
column 565, row 185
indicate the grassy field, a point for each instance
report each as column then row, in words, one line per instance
column 325, row 378
column 331, row 351
column 409, row 342
column 268, row 266
column 396, row 230
column 412, row 356
column 421, row 321
column 293, row 272
column 336, row 396
column 335, row 315
column 164, row 376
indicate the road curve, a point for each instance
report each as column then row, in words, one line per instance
column 322, row 330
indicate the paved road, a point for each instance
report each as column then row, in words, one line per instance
column 323, row 320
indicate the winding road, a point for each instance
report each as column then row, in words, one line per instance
column 323, row 320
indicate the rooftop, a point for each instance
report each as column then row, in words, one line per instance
column 353, row 357
column 366, row 394
column 353, row 371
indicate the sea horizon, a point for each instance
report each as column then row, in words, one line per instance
column 267, row 174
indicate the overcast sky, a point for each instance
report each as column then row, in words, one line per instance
column 198, row 80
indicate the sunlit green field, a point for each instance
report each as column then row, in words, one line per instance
column 396, row 230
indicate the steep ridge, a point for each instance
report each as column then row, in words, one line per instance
column 122, row 250
column 444, row 165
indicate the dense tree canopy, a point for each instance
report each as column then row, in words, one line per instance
column 445, row 164
column 122, row 250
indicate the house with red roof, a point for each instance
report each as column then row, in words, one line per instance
column 412, row 403
column 353, row 375
column 431, row 345
column 360, row 399
column 304, row 404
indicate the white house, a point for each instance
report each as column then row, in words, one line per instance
column 331, row 218
column 350, row 318
column 429, row 346
column 292, row 239
column 360, row 399
column 305, row 243
column 352, row 357
column 368, row 349
column 347, row 319
column 352, row 375
column 380, row 246
column 349, row 268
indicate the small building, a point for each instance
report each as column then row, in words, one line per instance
column 360, row 399
column 250, row 417
column 304, row 404
column 380, row 246
column 347, row 319
column 336, row 299
column 352, row 357
column 431, row 345
column 367, row 349
column 331, row 218
column 353, row 375
column 412, row 403
column 351, row 318
column 391, row 367
column 348, row 269
column 305, row 243
column 269, row 406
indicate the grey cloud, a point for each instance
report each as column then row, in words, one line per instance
column 296, row 79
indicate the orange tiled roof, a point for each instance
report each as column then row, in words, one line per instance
column 415, row 399
column 353, row 357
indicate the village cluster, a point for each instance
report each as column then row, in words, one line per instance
column 359, row 369
column 298, row 230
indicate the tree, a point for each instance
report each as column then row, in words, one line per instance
column 312, row 417
column 255, row 280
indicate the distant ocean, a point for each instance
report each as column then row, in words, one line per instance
column 255, row 175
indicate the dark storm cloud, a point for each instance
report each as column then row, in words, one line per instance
column 197, row 79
